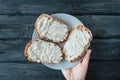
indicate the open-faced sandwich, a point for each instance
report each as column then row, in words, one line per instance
column 51, row 29
column 43, row 51
column 77, row 43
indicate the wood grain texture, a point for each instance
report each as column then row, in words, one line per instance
column 28, row 71
column 21, row 71
column 12, row 50
column 102, row 27
column 23, row 7
column 16, row 26
column 103, row 70
column 17, row 18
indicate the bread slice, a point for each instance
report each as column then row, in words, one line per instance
column 77, row 43
column 51, row 29
column 43, row 51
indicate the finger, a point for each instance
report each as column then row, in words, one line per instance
column 66, row 70
column 66, row 74
column 86, row 58
column 78, row 65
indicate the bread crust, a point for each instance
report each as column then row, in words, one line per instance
column 79, row 27
column 44, row 38
column 26, row 48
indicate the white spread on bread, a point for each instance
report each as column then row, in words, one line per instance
column 46, row 52
column 52, row 29
column 76, row 43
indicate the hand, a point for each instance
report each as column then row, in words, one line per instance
column 79, row 71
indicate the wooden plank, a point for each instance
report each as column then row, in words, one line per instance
column 28, row 71
column 83, row 7
column 16, row 26
column 105, row 49
column 23, row 26
column 12, row 50
column 101, row 70
column 102, row 26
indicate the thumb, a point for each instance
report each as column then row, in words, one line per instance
column 87, row 57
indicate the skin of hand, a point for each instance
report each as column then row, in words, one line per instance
column 79, row 71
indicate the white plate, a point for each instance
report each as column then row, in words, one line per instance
column 71, row 21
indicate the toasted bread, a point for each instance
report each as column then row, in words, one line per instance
column 77, row 43
column 43, row 51
column 49, row 28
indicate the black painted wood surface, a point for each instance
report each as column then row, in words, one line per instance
column 17, row 18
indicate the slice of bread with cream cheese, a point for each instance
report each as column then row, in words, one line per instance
column 77, row 43
column 51, row 29
column 43, row 51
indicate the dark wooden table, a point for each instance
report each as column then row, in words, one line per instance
column 17, row 18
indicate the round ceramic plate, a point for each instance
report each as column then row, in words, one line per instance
column 72, row 22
